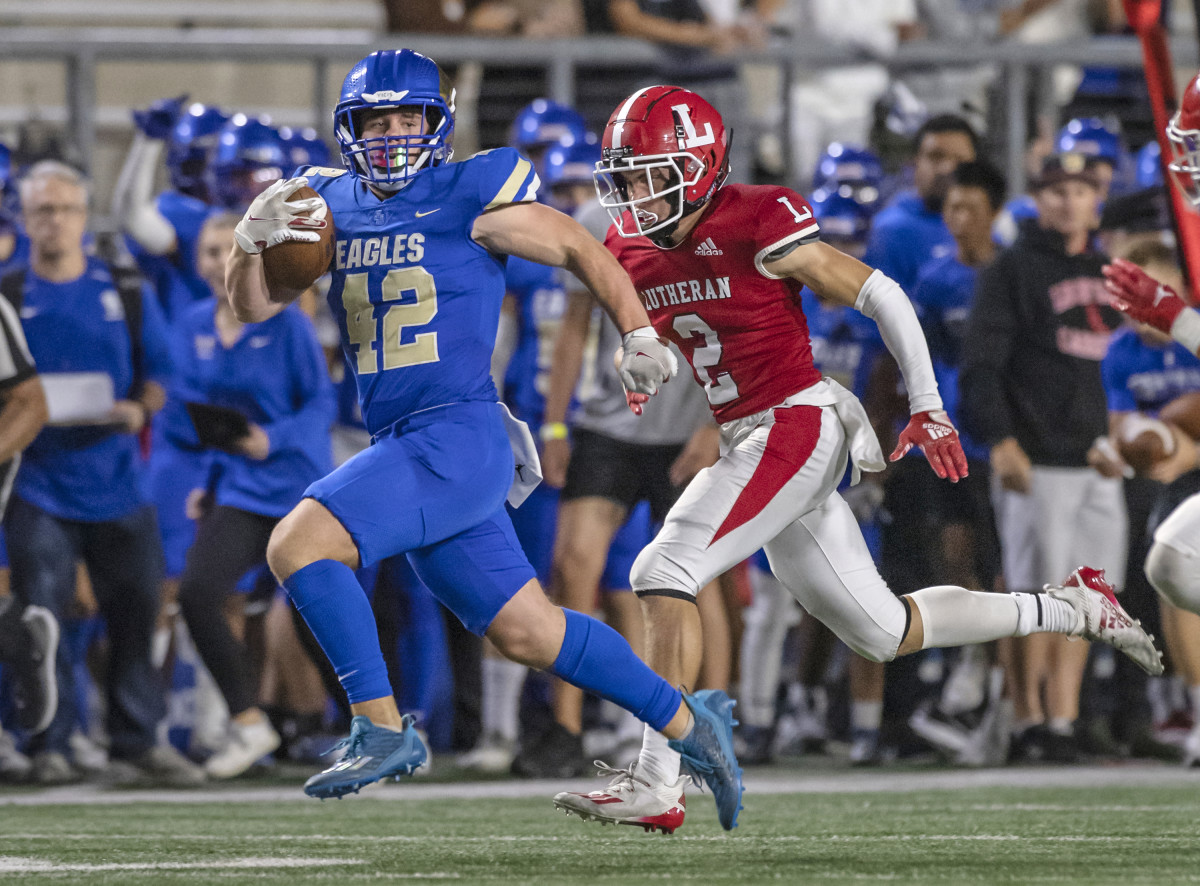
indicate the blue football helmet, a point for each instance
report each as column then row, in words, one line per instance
column 1091, row 136
column 852, row 171
column 543, row 123
column 191, row 141
column 1149, row 172
column 248, row 158
column 571, row 162
column 305, row 147
column 395, row 78
column 842, row 219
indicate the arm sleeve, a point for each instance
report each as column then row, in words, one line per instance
column 16, row 363
column 987, row 348
column 133, row 199
column 312, row 391
column 884, row 301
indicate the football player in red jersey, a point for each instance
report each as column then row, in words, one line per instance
column 1173, row 562
column 719, row 268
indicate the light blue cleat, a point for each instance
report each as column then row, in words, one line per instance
column 707, row 752
column 370, row 753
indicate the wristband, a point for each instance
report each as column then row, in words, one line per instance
column 1186, row 329
column 553, row 430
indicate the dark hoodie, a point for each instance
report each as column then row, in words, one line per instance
column 1038, row 330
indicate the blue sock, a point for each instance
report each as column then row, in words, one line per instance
column 337, row 611
column 596, row 658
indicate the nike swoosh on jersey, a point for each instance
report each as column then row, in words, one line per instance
column 420, row 214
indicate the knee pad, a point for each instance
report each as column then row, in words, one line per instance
column 1175, row 574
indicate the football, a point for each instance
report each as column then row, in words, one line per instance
column 1144, row 442
column 1184, row 413
column 295, row 265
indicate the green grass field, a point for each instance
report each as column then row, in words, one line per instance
column 1105, row 830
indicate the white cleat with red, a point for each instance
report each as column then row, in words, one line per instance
column 1103, row 618
column 628, row 800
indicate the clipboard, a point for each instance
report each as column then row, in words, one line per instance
column 217, row 426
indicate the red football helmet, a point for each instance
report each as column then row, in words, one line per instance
column 1184, row 134
column 662, row 128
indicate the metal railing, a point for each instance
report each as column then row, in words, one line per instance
column 82, row 50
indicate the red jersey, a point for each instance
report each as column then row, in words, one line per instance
column 741, row 329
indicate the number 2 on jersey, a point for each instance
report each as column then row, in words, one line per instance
column 362, row 325
column 720, row 387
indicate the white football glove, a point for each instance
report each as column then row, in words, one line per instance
column 645, row 361
column 272, row 220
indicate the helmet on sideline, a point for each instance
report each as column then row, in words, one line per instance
column 248, row 158
column 189, row 146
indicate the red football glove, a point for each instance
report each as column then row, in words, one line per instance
column 1141, row 296
column 934, row 435
column 635, row 401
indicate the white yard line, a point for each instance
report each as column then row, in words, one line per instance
column 761, row 782
column 10, row 864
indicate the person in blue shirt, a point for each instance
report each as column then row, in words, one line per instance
column 273, row 373
column 77, row 494
column 417, row 282
column 943, row 295
column 1143, row 371
column 909, row 231
column 161, row 231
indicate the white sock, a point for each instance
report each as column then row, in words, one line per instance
column 1041, row 613
column 954, row 616
column 502, row 683
column 657, row 763
column 866, row 715
column 1060, row 725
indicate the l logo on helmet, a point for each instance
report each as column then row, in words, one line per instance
column 693, row 139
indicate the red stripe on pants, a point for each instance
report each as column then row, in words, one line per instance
column 790, row 442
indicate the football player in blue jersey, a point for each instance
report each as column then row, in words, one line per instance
column 909, row 230
column 162, row 231
column 417, row 282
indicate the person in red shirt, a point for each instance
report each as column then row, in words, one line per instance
column 719, row 268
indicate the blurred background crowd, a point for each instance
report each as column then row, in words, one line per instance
column 140, row 521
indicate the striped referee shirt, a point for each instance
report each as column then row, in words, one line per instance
column 16, row 365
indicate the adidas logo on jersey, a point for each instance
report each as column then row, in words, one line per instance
column 708, row 247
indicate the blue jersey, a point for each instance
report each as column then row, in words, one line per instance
column 174, row 277
column 844, row 342
column 541, row 302
column 416, row 299
column 904, row 236
column 1145, row 377
column 87, row 473
column 943, row 295
column 275, row 375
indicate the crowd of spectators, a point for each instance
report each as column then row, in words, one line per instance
column 177, row 436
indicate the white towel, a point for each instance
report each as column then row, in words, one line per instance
column 527, row 473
